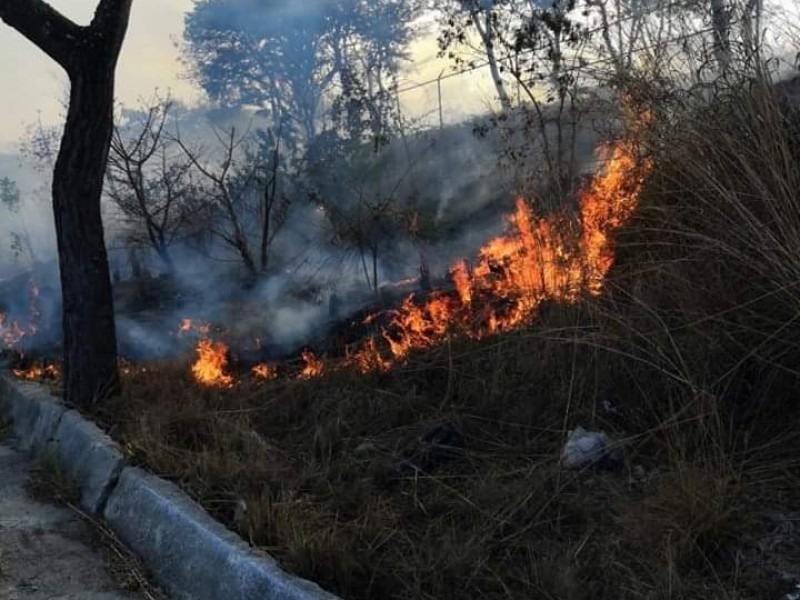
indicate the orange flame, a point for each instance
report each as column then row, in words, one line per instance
column 542, row 258
column 264, row 371
column 11, row 332
column 209, row 369
column 313, row 366
column 38, row 373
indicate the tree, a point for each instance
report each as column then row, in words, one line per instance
column 539, row 48
column 238, row 192
column 149, row 181
column 89, row 55
column 293, row 60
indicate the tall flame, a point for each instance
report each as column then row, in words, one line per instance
column 540, row 259
column 313, row 367
column 209, row 368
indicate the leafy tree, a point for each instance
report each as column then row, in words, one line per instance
column 295, row 60
column 89, row 56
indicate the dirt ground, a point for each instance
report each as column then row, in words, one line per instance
column 46, row 552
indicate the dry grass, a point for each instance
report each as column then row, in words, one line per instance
column 690, row 362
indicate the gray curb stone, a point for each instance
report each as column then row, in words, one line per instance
column 34, row 413
column 88, row 455
column 193, row 556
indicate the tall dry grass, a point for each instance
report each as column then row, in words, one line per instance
column 689, row 361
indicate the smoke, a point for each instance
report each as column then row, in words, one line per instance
column 452, row 178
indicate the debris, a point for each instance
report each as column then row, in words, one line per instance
column 585, row 448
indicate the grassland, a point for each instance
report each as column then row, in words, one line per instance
column 441, row 478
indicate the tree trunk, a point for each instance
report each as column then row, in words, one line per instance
column 89, row 55
column 266, row 223
column 90, row 341
column 487, row 37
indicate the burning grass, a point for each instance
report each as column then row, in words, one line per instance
column 439, row 478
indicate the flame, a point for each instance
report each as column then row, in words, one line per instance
column 313, row 367
column 209, row 368
column 11, row 332
column 38, row 373
column 264, row 371
column 540, row 259
column 368, row 358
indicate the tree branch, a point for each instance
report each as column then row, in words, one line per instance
column 111, row 21
column 43, row 25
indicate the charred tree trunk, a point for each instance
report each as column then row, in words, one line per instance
column 89, row 55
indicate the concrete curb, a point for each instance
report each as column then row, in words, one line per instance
column 192, row 556
column 89, row 456
column 33, row 414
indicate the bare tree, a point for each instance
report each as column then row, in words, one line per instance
column 149, row 181
column 240, row 195
column 538, row 49
column 89, row 55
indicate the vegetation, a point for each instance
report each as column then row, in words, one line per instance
column 441, row 478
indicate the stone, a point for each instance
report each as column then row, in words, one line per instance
column 190, row 555
column 33, row 413
column 88, row 455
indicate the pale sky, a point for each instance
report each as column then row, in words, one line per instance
column 34, row 85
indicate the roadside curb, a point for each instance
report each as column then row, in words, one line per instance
column 192, row 556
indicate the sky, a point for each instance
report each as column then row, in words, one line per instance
column 34, row 87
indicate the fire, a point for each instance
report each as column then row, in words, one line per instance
column 38, row 373
column 555, row 257
column 313, row 367
column 264, row 371
column 209, row 369
column 11, row 332
column 540, row 259
column 368, row 358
